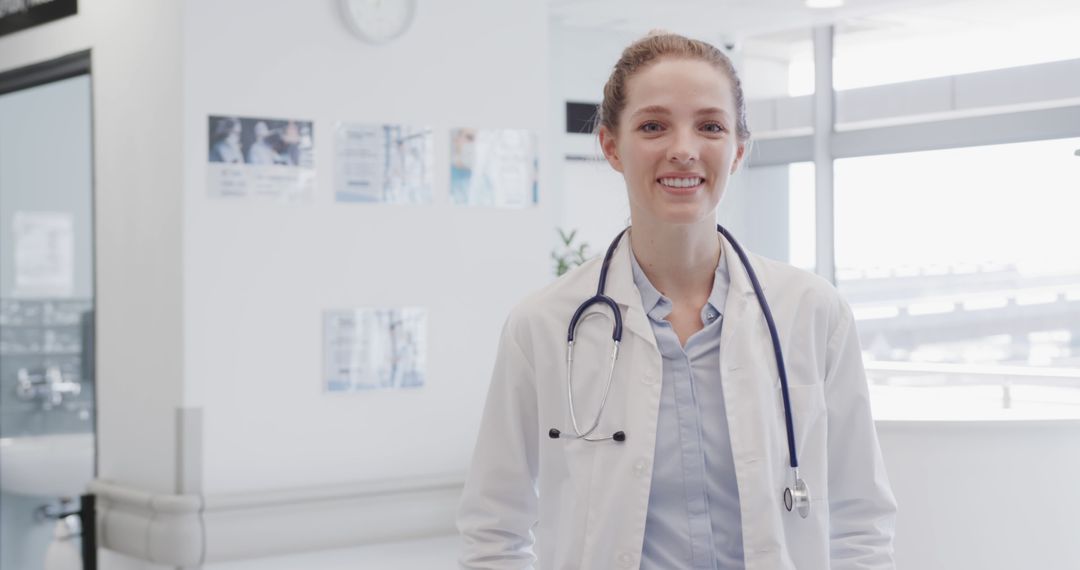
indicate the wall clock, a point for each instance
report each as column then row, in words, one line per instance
column 379, row 21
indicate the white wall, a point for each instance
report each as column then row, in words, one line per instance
column 592, row 196
column 257, row 277
column 983, row 494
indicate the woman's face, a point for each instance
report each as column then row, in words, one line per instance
column 676, row 146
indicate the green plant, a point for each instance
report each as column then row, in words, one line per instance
column 569, row 255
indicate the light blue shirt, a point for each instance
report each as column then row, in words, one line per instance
column 693, row 520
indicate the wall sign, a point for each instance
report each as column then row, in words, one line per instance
column 252, row 157
column 389, row 164
column 493, row 167
column 18, row 15
column 371, row 349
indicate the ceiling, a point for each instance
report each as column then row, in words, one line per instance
column 784, row 24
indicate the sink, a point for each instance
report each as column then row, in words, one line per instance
column 59, row 465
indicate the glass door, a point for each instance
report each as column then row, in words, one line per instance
column 46, row 314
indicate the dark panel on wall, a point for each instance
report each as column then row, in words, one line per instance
column 580, row 116
column 18, row 15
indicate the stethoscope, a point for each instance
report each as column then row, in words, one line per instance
column 795, row 497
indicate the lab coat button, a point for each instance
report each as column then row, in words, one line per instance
column 641, row 468
column 626, row 560
column 648, row 378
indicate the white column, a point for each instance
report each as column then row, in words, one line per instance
column 824, row 106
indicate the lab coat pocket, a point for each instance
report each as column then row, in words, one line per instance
column 575, row 499
column 580, row 462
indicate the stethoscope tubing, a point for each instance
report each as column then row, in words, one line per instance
column 780, row 368
column 798, row 495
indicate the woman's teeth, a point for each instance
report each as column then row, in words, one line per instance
column 681, row 182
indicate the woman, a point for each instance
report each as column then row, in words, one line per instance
column 692, row 464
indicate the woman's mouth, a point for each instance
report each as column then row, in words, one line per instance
column 681, row 184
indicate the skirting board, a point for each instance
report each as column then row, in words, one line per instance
column 189, row 530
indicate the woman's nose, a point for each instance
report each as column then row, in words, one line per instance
column 682, row 149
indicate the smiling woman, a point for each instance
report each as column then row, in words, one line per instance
column 678, row 148
column 682, row 452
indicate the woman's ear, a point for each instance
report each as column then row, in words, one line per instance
column 740, row 154
column 610, row 148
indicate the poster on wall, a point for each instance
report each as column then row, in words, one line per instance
column 389, row 164
column 495, row 167
column 18, row 15
column 44, row 254
column 372, row 349
column 261, row 158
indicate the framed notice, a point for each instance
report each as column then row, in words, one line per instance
column 494, row 167
column 388, row 164
column 44, row 254
column 250, row 157
column 372, row 349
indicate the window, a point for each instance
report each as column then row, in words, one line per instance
column 939, row 39
column 962, row 269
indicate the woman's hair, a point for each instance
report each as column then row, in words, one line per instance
column 652, row 48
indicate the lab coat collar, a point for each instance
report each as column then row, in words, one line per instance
column 740, row 281
column 621, row 289
column 737, row 315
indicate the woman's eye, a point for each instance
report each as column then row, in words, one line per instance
column 651, row 127
column 713, row 127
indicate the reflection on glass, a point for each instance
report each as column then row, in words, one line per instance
column 961, row 270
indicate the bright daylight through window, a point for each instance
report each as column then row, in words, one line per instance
column 961, row 269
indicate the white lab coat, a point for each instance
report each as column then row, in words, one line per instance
column 585, row 503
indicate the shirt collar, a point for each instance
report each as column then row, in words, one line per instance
column 658, row 307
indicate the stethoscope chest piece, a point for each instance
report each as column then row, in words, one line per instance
column 798, row 498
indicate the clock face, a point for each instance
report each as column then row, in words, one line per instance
column 379, row 21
